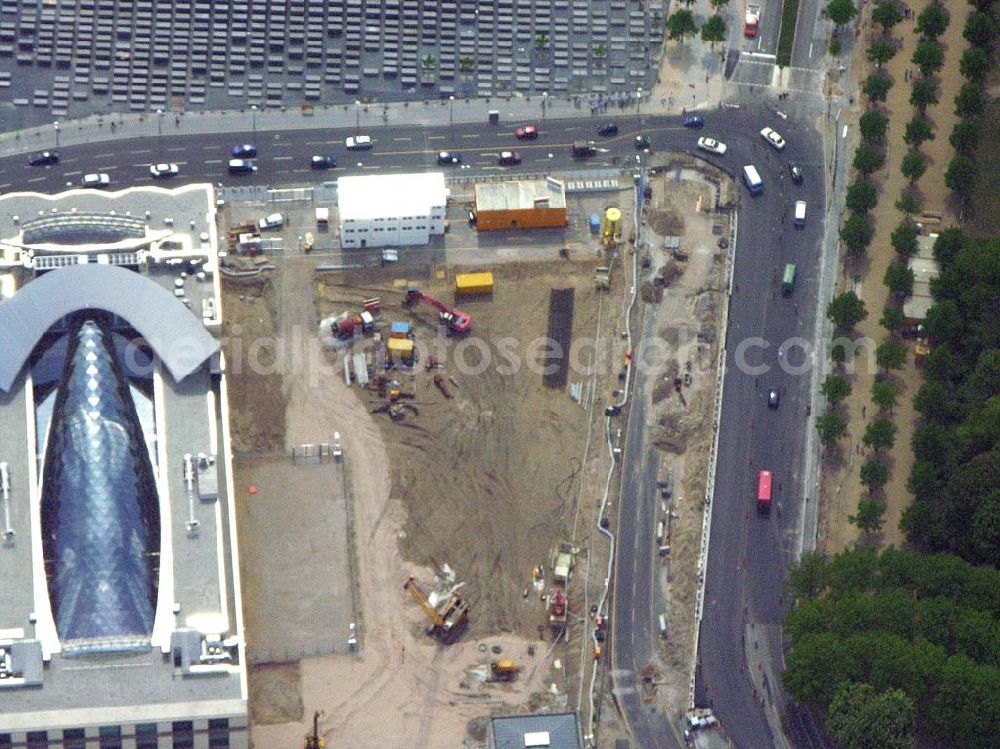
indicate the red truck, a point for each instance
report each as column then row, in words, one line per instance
column 764, row 492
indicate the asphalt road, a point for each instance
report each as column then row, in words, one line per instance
column 749, row 553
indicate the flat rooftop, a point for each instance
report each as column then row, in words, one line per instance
column 520, row 195
column 386, row 196
column 925, row 269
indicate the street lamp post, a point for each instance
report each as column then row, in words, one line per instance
column 159, row 131
column 357, row 115
column 55, row 126
column 253, row 119
column 545, row 101
column 638, row 99
column 451, row 111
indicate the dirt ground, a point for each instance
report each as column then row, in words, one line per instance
column 841, row 481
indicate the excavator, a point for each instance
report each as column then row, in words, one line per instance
column 458, row 322
column 447, row 623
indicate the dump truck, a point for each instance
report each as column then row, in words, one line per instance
column 584, row 148
column 562, row 563
column 751, row 24
column 504, row 670
column 346, row 326
column 602, row 278
column 558, row 608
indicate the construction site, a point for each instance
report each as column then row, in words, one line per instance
column 439, row 434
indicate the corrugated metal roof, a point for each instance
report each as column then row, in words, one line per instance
column 520, row 195
column 177, row 336
column 509, row 732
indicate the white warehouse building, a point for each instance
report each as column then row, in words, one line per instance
column 391, row 209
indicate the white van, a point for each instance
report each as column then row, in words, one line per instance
column 800, row 213
column 751, row 178
column 663, row 626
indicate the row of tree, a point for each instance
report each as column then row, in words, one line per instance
column 894, row 644
column 681, row 23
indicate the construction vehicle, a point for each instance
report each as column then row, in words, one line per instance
column 314, row 740
column 233, row 235
column 602, row 278
column 396, row 411
column 562, row 563
column 751, row 24
column 346, row 325
column 558, row 606
column 584, row 148
column 505, row 670
column 457, row 321
column 446, row 622
column 439, row 384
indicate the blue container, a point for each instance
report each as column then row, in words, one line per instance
column 401, row 329
column 595, row 223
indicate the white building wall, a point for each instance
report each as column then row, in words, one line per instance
column 391, row 210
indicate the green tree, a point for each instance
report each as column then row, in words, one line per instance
column 898, row 279
column 874, row 474
column 869, row 517
column 881, row 52
column 831, row 427
column 807, row 577
column 600, row 51
column 835, row 388
column 876, row 87
column 964, row 137
column 884, row 392
column 979, row 29
column 717, row 5
column 841, row 11
column 960, row 175
column 969, row 102
column 861, row 718
column 890, row 355
column 893, row 319
column 913, row 166
column 918, row 130
column 886, row 15
column 713, row 30
column 944, row 322
column 932, row 21
column 923, row 94
column 428, row 62
column 873, row 125
column 904, row 239
column 845, row 311
column 948, row 244
column 857, row 233
column 929, row 57
column 465, row 65
column 975, row 64
column 880, row 434
column 836, row 46
column 681, row 24
column 868, row 159
column 861, row 196
column 907, row 202
column 541, row 41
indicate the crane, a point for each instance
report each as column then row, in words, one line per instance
column 444, row 626
column 456, row 320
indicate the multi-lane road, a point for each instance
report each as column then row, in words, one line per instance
column 749, row 553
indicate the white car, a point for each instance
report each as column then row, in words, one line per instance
column 274, row 221
column 773, row 137
column 96, row 180
column 164, row 170
column 358, row 143
column 712, row 146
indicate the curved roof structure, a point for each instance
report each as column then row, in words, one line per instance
column 100, row 516
column 178, row 337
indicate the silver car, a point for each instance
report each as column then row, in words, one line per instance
column 773, row 137
column 164, row 170
column 712, row 146
column 99, row 179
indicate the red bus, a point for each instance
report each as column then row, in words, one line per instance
column 764, row 491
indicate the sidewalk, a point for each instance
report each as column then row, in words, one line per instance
column 439, row 113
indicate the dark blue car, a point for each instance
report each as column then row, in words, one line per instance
column 693, row 120
column 246, row 151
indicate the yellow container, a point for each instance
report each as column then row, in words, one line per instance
column 473, row 283
column 400, row 350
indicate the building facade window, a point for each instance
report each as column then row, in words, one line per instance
column 218, row 733
column 110, row 737
column 146, row 736
column 183, row 734
column 74, row 738
column 38, row 740
column 6, row 741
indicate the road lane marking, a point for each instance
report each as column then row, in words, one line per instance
column 470, row 135
column 282, row 158
column 65, row 174
column 104, row 156
column 213, row 161
column 40, row 179
column 145, row 150
column 402, row 139
column 435, row 137
column 5, row 185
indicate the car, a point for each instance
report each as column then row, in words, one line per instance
column 712, row 146
column 773, row 137
column 509, row 158
column 245, row 151
column 274, row 221
column 449, row 158
column 242, row 166
column 472, row 217
column 526, row 132
column 359, row 143
column 608, row 129
column 323, row 162
column 641, row 142
column 693, row 120
column 773, row 397
column 164, row 170
column 99, row 179
column 43, row 158
column 796, row 171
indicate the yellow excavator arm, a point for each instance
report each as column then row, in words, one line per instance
column 421, row 599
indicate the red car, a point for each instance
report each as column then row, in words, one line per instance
column 526, row 132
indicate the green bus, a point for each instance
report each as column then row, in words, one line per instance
column 788, row 280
